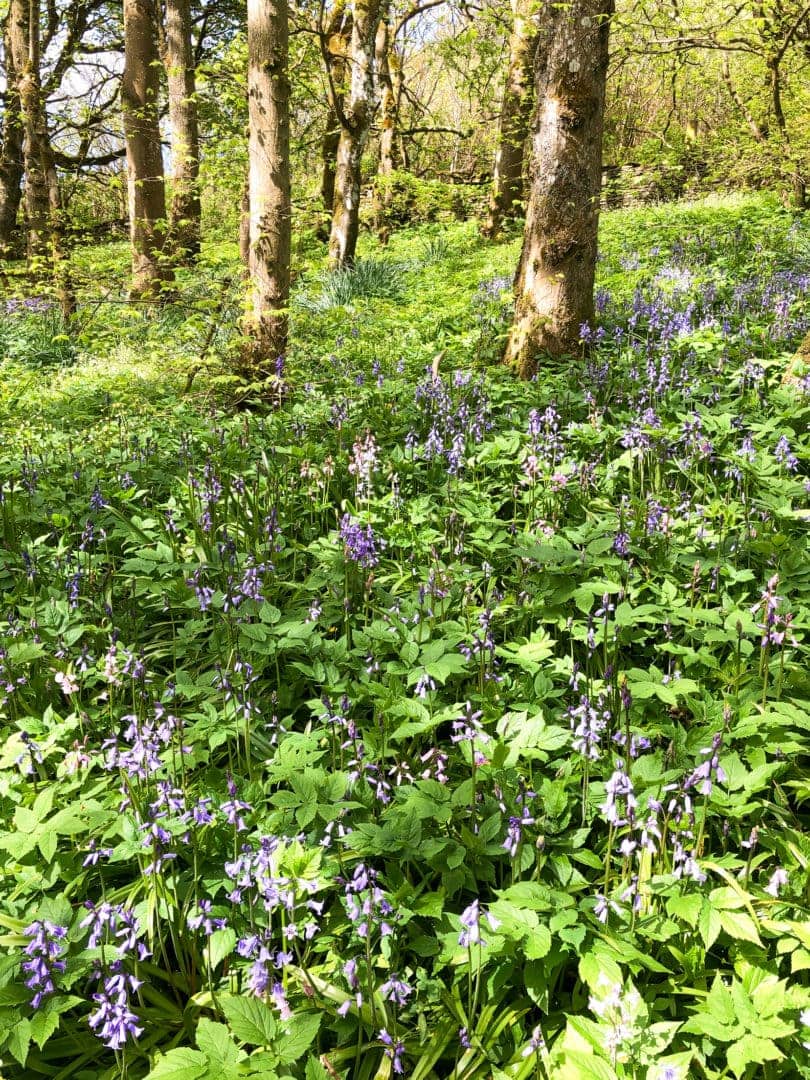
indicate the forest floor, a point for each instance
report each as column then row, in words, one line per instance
column 433, row 724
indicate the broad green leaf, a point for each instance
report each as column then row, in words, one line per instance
column 19, row 1040
column 180, row 1064
column 749, row 1050
column 215, row 1042
column 250, row 1020
column 220, row 945
column 297, row 1036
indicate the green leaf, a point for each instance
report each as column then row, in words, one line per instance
column 215, row 1042
column 709, row 925
column 19, row 1040
column 43, row 1025
column 315, row 1071
column 598, row 971
column 250, row 1020
column 220, row 945
column 749, row 1050
column 579, row 1066
column 740, row 926
column 298, row 1037
column 180, row 1064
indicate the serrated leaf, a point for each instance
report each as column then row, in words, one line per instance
column 250, row 1020
column 180, row 1064
column 215, row 1042
column 740, row 926
column 749, row 1050
column 298, row 1036
column 580, row 1066
column 315, row 1070
column 43, row 1025
column 19, row 1040
column 708, row 925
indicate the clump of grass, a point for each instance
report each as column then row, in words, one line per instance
column 435, row 249
column 33, row 332
column 369, row 278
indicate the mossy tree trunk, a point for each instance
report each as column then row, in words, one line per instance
column 11, row 150
column 266, row 324
column 555, row 277
column 387, row 64
column 44, row 209
column 336, row 47
column 151, row 272
column 185, row 134
column 506, row 201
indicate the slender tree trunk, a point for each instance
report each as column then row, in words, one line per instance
column 244, row 226
column 796, row 176
column 337, row 47
column 506, row 199
column 386, row 60
column 555, row 277
column 329, row 148
column 151, row 273
column 181, row 82
column 11, row 152
column 355, row 123
column 48, row 228
column 266, row 325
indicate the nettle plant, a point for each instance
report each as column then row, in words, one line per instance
column 460, row 734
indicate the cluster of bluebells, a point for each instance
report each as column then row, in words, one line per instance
column 360, row 543
column 43, row 965
column 455, row 413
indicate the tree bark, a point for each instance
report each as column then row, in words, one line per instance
column 44, row 207
column 11, row 152
column 185, row 134
column 151, row 273
column 244, row 227
column 506, row 199
column 266, row 325
column 555, row 277
column 355, row 122
column 336, row 49
column 386, row 60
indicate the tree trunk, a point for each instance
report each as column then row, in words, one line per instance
column 11, row 153
column 506, row 200
column 555, row 277
column 244, row 226
column 336, row 52
column 266, row 324
column 354, row 127
column 386, row 59
column 180, row 79
column 47, row 223
column 151, row 273
column 329, row 148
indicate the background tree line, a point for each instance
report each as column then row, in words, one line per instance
column 197, row 119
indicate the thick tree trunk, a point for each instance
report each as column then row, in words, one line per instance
column 355, row 122
column 386, row 60
column 47, row 224
column 185, row 135
column 11, row 153
column 266, row 324
column 151, row 273
column 506, row 200
column 555, row 277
